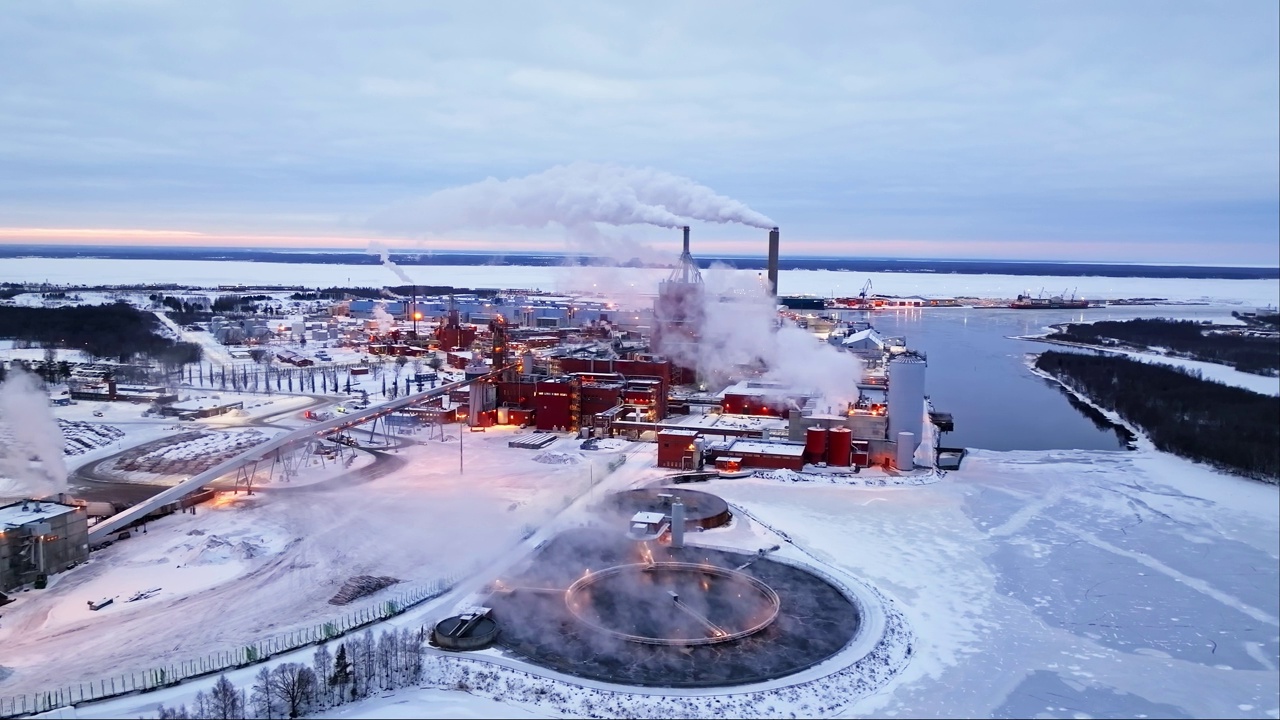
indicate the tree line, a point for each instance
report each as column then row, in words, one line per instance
column 1246, row 354
column 118, row 331
column 1184, row 414
column 359, row 669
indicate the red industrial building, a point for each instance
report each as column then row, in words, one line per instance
column 752, row 397
column 769, row 455
column 677, row 449
column 453, row 334
column 644, row 367
column 555, row 403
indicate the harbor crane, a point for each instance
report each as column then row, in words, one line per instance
column 862, row 296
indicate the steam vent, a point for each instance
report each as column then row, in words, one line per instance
column 594, row 604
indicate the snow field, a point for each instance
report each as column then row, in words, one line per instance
column 1035, row 583
column 410, row 515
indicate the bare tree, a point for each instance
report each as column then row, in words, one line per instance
column 366, row 663
column 322, row 664
column 386, row 659
column 263, row 699
column 294, row 684
column 225, row 702
column 177, row 713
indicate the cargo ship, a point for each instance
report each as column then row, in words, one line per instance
column 1055, row 302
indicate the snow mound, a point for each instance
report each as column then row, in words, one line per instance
column 217, row 550
column 361, row 585
column 852, row 479
column 557, row 458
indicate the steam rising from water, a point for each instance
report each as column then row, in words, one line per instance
column 571, row 196
column 24, row 411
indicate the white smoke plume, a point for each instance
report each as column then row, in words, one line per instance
column 386, row 323
column 31, row 463
column 739, row 339
column 571, row 195
column 384, row 253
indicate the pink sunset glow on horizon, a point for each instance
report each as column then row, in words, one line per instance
column 1030, row 250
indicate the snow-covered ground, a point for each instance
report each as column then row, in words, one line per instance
column 411, row 515
column 625, row 283
column 1036, row 584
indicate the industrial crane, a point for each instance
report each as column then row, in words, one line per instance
column 862, row 296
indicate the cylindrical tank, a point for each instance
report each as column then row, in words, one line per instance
column 906, row 395
column 465, row 632
column 839, row 447
column 905, row 459
column 815, row 445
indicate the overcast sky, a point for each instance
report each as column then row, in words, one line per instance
column 1130, row 131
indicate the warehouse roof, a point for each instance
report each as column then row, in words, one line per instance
column 767, row 448
column 29, row 511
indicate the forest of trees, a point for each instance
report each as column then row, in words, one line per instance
column 1185, row 337
column 1228, row 427
column 117, row 331
column 361, row 667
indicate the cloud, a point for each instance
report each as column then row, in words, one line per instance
column 998, row 121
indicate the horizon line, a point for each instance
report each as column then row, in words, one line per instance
column 6, row 248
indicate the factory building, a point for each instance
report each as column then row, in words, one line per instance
column 200, row 408
column 760, row 397
column 39, row 538
column 678, row 449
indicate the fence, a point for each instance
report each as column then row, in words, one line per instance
column 144, row 681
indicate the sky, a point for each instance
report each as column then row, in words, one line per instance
column 1084, row 131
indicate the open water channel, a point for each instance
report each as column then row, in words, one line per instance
column 978, row 372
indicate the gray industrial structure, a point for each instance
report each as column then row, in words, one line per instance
column 39, row 538
column 906, row 396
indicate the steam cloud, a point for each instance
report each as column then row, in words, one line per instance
column 572, row 195
column 738, row 339
column 24, row 412
column 386, row 323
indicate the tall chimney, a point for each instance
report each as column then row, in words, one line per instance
column 686, row 239
column 773, row 259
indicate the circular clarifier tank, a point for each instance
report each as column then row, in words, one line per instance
column 590, row 602
column 672, row 603
column 465, row 632
column 701, row 509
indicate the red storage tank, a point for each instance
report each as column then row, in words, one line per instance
column 839, row 447
column 815, row 445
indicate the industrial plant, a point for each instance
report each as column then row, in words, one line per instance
column 692, row 388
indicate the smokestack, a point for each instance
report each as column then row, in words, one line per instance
column 773, row 261
column 686, row 239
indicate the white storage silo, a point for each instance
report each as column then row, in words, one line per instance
column 905, row 457
column 906, row 395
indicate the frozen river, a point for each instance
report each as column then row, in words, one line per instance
column 629, row 285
